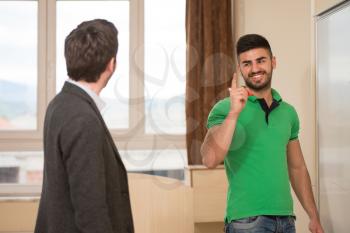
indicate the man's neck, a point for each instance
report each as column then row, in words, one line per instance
column 264, row 94
column 95, row 87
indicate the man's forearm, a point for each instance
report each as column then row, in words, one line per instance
column 218, row 141
column 301, row 184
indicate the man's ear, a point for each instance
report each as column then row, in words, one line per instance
column 273, row 60
column 111, row 66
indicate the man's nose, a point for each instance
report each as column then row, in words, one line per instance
column 255, row 67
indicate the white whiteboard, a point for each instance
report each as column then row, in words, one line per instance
column 333, row 111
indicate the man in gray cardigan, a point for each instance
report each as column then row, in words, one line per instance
column 85, row 187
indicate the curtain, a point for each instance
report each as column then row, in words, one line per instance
column 209, row 66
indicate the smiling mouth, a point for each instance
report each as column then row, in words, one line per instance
column 257, row 77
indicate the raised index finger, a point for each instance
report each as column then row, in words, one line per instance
column 234, row 81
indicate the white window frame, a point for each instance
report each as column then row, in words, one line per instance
column 133, row 138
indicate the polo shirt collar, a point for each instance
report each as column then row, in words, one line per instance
column 275, row 95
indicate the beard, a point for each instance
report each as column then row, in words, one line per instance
column 266, row 84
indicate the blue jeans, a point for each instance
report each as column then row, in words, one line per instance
column 262, row 224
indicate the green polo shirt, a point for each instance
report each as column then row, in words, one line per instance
column 256, row 163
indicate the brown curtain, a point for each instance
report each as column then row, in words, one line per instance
column 209, row 66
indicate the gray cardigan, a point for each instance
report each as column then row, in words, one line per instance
column 85, row 187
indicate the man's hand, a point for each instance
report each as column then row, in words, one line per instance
column 219, row 137
column 238, row 96
column 315, row 226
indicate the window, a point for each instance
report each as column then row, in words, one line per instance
column 145, row 97
column 21, row 167
column 18, row 62
column 165, row 66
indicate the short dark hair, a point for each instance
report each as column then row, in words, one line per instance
column 252, row 41
column 89, row 48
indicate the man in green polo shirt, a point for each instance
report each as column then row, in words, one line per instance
column 255, row 133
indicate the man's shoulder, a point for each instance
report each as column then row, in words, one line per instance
column 64, row 107
column 219, row 112
column 222, row 105
column 69, row 100
column 287, row 106
column 289, row 110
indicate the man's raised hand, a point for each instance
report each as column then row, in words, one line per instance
column 238, row 96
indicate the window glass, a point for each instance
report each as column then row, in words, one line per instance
column 18, row 65
column 27, row 167
column 167, row 162
column 21, row 167
column 165, row 66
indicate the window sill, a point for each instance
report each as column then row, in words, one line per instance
column 19, row 199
